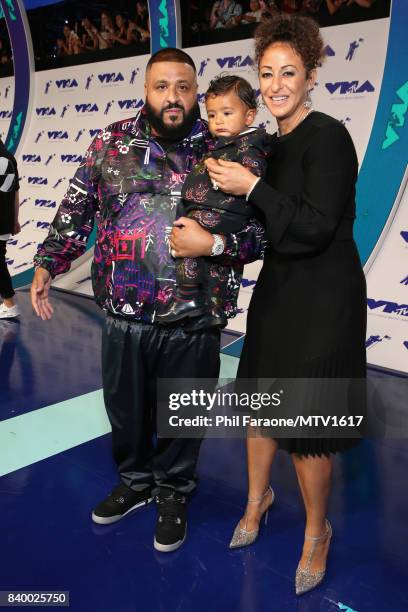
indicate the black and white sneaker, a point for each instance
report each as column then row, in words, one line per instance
column 171, row 520
column 119, row 503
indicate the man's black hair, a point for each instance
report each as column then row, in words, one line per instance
column 170, row 54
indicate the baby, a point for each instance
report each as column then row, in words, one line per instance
column 231, row 109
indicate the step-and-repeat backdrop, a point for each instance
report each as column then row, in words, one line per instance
column 72, row 104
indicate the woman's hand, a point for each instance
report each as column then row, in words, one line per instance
column 189, row 239
column 230, row 177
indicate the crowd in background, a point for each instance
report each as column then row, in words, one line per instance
column 79, row 31
column 203, row 16
column 230, row 13
column 106, row 32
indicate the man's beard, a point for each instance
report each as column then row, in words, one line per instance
column 170, row 131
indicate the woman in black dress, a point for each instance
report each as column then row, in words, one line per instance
column 307, row 317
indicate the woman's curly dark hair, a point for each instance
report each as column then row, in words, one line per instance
column 301, row 33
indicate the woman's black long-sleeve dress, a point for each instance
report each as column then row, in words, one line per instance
column 307, row 317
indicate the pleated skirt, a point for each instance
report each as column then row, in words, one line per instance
column 304, row 323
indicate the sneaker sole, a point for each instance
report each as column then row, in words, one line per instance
column 169, row 547
column 108, row 520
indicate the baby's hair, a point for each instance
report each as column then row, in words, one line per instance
column 224, row 84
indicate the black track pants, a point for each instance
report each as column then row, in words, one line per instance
column 134, row 355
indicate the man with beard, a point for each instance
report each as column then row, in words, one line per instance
column 129, row 183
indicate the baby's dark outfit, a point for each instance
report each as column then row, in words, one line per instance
column 216, row 211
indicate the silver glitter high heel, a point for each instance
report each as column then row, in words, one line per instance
column 306, row 580
column 243, row 537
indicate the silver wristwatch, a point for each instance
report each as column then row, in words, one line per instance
column 218, row 246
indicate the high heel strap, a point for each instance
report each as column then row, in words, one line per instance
column 258, row 500
column 315, row 539
column 327, row 532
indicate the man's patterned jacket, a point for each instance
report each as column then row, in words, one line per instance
column 130, row 187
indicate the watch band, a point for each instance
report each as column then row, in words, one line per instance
column 218, row 245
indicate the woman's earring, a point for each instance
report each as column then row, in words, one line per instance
column 308, row 102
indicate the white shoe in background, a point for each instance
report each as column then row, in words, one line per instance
column 9, row 313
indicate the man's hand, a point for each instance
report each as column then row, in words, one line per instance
column 189, row 239
column 39, row 294
column 17, row 228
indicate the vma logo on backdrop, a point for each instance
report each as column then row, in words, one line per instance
column 128, row 104
column 42, row 225
column 31, row 159
column 45, row 111
column 37, row 180
column 350, row 87
column 86, row 108
column 45, row 203
column 58, row 135
column 111, row 78
column 235, row 62
column 5, row 114
column 71, row 159
column 246, row 282
column 386, row 307
column 66, row 83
